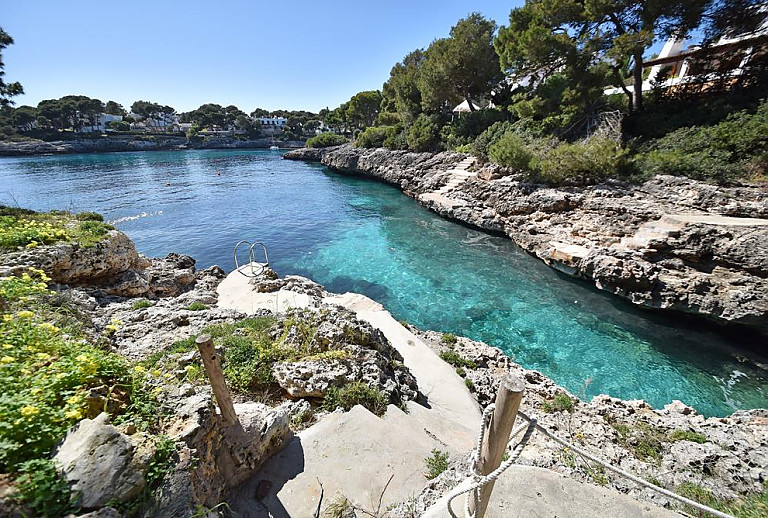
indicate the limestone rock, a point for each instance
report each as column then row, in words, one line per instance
column 98, row 461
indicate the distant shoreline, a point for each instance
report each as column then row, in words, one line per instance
column 111, row 144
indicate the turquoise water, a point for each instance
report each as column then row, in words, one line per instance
column 356, row 235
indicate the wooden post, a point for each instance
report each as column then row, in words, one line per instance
column 216, row 377
column 500, row 427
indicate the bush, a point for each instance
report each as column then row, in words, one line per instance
column 356, row 393
column 436, row 463
column 686, row 435
column 43, row 490
column 375, row 136
column 119, row 126
column 510, row 151
column 489, row 137
column 326, row 140
column 582, row 163
column 424, row 133
column 196, row 306
column 449, row 338
column 397, row 140
column 453, row 358
column 560, row 403
column 89, row 216
column 141, row 304
column 727, row 151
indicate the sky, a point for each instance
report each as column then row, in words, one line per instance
column 299, row 55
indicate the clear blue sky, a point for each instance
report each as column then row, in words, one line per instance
column 293, row 55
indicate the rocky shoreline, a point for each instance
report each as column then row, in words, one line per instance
column 670, row 244
column 134, row 143
column 673, row 446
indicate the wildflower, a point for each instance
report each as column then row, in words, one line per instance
column 26, row 277
column 49, row 327
column 44, row 357
column 81, row 358
column 35, row 391
column 29, row 410
column 26, row 372
column 7, row 346
column 7, row 359
column 32, row 244
column 74, row 413
column 139, row 369
column 156, row 372
column 25, row 314
column 73, row 400
column 7, row 318
column 117, row 321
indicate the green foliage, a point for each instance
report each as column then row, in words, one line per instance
column 119, row 126
column 89, row 216
column 356, row 393
column 424, row 133
column 363, row 108
column 449, row 338
column 510, row 151
column 469, row 383
column 733, row 149
column 197, row 306
column 453, row 358
column 46, row 373
column 377, row 136
column 436, row 463
column 43, row 490
column 141, row 304
column 30, row 229
column 582, row 163
column 7, row 90
column 754, row 505
column 560, row 403
column 326, row 140
column 489, row 137
column 463, row 66
column 687, row 435
column 645, row 441
column 401, row 93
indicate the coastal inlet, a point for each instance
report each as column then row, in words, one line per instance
column 352, row 234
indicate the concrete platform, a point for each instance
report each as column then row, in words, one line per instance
column 525, row 491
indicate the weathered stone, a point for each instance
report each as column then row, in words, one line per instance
column 98, row 461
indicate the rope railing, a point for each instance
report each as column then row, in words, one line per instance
column 478, row 491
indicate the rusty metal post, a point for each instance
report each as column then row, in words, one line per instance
column 508, row 400
column 212, row 364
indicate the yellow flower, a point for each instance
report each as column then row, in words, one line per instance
column 25, row 314
column 73, row 400
column 7, row 346
column 44, row 356
column 74, row 413
column 26, row 372
column 7, row 359
column 82, row 358
column 32, row 244
column 7, row 318
column 116, row 321
column 26, row 277
column 35, row 391
column 49, row 327
column 29, row 411
column 139, row 369
column 156, row 372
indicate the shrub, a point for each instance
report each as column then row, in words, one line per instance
column 753, row 505
column 119, row 126
column 449, row 338
column 197, row 306
column 375, row 136
column 43, row 490
column 453, row 358
column 686, row 435
column 582, row 163
column 356, row 393
column 397, row 140
column 141, row 304
column 510, row 151
column 326, row 140
column 436, row 463
column 424, row 133
column 489, row 137
column 560, row 403
column 89, row 216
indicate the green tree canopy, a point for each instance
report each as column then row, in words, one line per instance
column 114, row 108
column 463, row 66
column 363, row 108
column 7, row 90
column 401, row 92
column 569, row 36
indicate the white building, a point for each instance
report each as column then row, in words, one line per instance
column 727, row 58
column 101, row 123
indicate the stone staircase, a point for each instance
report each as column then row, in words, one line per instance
column 458, row 175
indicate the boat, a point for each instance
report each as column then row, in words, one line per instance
column 273, row 146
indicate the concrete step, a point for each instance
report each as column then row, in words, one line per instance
column 530, row 491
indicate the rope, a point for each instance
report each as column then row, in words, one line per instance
column 479, row 480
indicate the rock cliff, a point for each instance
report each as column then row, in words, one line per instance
column 670, row 243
